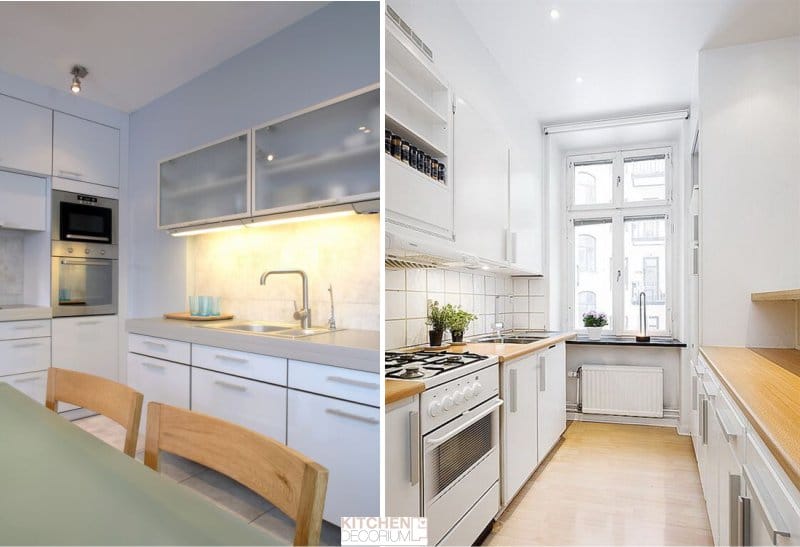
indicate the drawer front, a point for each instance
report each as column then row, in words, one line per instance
column 254, row 405
column 160, row 381
column 20, row 356
column 248, row 365
column 15, row 330
column 33, row 384
column 350, row 385
column 171, row 350
column 733, row 424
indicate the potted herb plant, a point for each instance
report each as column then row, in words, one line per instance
column 457, row 321
column 594, row 323
column 437, row 320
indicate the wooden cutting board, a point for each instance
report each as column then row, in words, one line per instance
column 186, row 316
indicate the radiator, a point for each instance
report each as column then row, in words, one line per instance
column 622, row 390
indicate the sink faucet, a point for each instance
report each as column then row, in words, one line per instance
column 304, row 314
column 332, row 319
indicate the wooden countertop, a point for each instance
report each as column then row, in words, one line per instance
column 765, row 384
column 507, row 352
column 397, row 390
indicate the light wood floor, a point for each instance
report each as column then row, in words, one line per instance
column 610, row 484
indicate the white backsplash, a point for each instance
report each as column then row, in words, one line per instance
column 12, row 273
column 521, row 302
column 344, row 252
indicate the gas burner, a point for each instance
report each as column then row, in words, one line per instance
column 426, row 364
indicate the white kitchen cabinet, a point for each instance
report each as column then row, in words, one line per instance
column 402, row 426
column 481, row 182
column 209, row 184
column 552, row 397
column 27, row 355
column 160, row 381
column 255, row 405
column 263, row 368
column 32, row 384
column 26, row 136
column 87, row 344
column 15, row 330
column 348, row 384
column 520, row 390
column 345, row 438
column 24, row 202
column 729, row 486
column 525, row 243
column 85, row 150
column 161, row 348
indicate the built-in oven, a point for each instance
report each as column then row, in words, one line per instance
column 84, row 218
column 84, row 279
column 461, row 458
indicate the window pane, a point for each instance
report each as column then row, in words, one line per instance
column 593, row 182
column 645, row 179
column 645, row 271
column 593, row 248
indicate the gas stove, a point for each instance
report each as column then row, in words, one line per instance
column 432, row 367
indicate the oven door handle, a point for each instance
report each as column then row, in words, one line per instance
column 462, row 427
column 85, row 262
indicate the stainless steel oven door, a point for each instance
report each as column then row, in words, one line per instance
column 461, row 461
column 83, row 286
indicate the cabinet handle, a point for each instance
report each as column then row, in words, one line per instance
column 350, row 382
column 512, row 377
column 27, row 345
column 704, row 421
column 153, row 365
column 694, row 392
column 87, row 323
column 21, row 327
column 155, row 344
column 413, row 443
column 744, row 521
column 237, row 387
column 86, row 262
column 542, row 373
column 774, row 520
column 231, row 358
column 73, row 173
column 729, row 435
column 29, row 379
column 734, row 524
column 343, row 414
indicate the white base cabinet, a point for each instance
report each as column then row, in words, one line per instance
column 32, row 384
column 25, row 356
column 552, row 397
column 87, row 344
column 520, row 385
column 402, row 427
column 345, row 438
column 160, row 381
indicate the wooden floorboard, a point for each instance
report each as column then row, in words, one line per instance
column 610, row 484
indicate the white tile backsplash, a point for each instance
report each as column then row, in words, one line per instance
column 407, row 307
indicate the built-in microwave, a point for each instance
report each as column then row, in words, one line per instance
column 84, row 218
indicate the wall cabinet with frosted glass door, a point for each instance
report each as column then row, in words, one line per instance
column 205, row 185
column 324, row 156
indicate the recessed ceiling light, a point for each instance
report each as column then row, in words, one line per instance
column 578, row 80
column 554, row 14
column 270, row 157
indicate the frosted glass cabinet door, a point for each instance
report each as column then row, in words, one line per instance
column 326, row 156
column 209, row 184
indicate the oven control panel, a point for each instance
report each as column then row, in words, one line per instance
column 445, row 402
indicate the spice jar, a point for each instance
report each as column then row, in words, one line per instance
column 404, row 149
column 412, row 156
column 397, row 144
column 435, row 169
column 427, row 165
column 442, row 170
column 387, row 141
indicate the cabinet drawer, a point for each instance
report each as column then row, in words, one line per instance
column 24, row 329
column 733, row 425
column 342, row 383
column 254, row 405
column 171, row 350
column 160, row 381
column 19, row 356
column 239, row 363
column 32, row 384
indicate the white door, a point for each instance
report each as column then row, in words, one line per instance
column 26, row 136
column 520, row 385
column 552, row 397
column 24, row 202
column 403, row 459
column 158, row 380
column 345, row 438
column 87, row 344
column 84, row 150
column 481, row 185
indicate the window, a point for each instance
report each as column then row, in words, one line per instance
column 621, row 243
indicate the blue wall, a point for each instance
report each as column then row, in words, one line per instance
column 331, row 52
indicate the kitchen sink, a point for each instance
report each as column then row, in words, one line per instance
column 250, row 327
column 509, row 340
column 269, row 329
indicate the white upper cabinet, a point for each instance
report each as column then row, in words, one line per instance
column 325, row 156
column 23, row 205
column 85, row 151
column 481, row 185
column 524, row 251
column 26, row 136
column 206, row 185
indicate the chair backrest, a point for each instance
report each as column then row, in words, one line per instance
column 289, row 480
column 112, row 399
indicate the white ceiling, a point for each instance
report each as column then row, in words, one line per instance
column 135, row 51
column 634, row 55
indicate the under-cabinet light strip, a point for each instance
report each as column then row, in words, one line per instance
column 616, row 122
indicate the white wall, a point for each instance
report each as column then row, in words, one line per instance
column 750, row 137
column 331, row 52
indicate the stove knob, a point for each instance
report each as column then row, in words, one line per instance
column 477, row 388
column 469, row 393
column 447, row 403
column 434, row 409
column 458, row 397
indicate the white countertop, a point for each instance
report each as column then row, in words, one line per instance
column 23, row 312
column 354, row 349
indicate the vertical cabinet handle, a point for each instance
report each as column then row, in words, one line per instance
column 513, row 381
column 694, row 392
column 542, row 373
column 744, row 521
column 734, row 518
column 772, row 517
column 704, row 422
column 414, row 444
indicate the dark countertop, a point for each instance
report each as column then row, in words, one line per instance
column 611, row 340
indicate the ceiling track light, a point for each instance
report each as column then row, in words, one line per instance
column 77, row 72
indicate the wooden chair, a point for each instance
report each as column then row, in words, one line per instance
column 114, row 400
column 292, row 482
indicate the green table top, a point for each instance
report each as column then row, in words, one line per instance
column 59, row 485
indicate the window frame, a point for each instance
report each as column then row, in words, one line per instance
column 618, row 211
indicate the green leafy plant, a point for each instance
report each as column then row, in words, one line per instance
column 457, row 319
column 437, row 316
column 595, row 319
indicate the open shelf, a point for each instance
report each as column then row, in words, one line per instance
column 403, row 60
column 789, row 295
column 401, row 91
column 399, row 127
column 409, row 171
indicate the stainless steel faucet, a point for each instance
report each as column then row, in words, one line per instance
column 304, row 314
column 332, row 318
